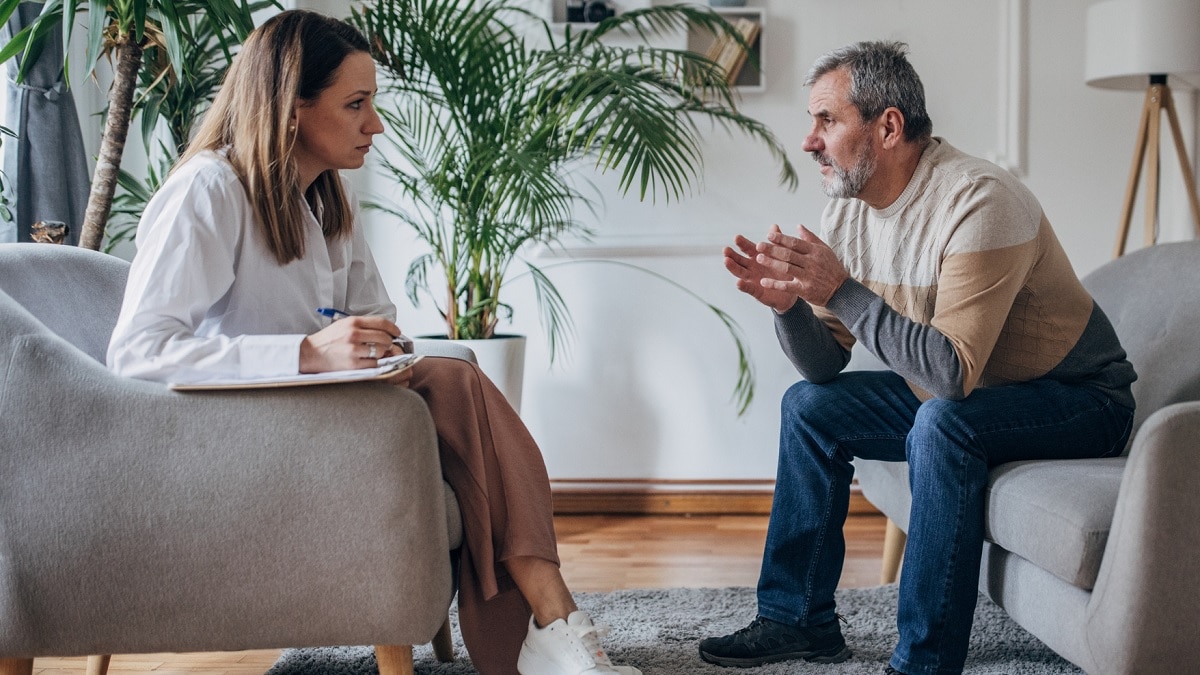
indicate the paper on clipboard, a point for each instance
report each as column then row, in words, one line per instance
column 387, row 368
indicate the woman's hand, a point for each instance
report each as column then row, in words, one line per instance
column 349, row 344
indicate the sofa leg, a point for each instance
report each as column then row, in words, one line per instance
column 97, row 664
column 16, row 666
column 394, row 659
column 443, row 643
column 893, row 552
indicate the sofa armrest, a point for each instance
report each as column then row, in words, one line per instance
column 1146, row 603
column 137, row 519
column 443, row 348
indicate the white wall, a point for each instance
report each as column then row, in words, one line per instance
column 646, row 392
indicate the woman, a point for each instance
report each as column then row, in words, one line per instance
column 253, row 231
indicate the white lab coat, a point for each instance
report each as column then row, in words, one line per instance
column 207, row 298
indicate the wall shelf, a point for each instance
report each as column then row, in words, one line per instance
column 751, row 78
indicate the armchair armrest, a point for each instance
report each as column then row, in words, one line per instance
column 137, row 519
column 444, row 348
column 1146, row 603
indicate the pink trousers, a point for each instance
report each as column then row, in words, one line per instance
column 499, row 477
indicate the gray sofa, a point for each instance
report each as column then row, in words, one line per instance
column 135, row 519
column 1098, row 558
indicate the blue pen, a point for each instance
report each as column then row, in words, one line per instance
column 331, row 313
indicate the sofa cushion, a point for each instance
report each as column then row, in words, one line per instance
column 1055, row 513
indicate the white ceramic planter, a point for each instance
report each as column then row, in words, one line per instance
column 502, row 359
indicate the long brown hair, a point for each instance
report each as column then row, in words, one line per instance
column 291, row 57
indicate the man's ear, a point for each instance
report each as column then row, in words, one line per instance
column 891, row 127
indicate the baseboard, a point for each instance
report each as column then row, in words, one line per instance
column 665, row 497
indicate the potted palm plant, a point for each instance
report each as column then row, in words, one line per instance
column 491, row 114
column 169, row 100
column 124, row 30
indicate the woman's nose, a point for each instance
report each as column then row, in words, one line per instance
column 374, row 123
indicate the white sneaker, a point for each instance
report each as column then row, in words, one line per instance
column 570, row 647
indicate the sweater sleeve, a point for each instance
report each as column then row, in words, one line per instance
column 917, row 352
column 810, row 344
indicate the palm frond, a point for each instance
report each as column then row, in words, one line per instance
column 553, row 313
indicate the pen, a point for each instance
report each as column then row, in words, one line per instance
column 331, row 313
column 403, row 342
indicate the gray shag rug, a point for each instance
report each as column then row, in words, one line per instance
column 658, row 630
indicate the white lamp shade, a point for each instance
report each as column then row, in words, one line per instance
column 1129, row 40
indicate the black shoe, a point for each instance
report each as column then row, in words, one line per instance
column 892, row 671
column 767, row 641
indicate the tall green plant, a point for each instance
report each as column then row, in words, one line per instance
column 169, row 102
column 491, row 113
column 124, row 28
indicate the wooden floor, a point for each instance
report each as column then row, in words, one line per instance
column 599, row 553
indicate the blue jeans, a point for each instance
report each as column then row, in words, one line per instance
column 950, row 446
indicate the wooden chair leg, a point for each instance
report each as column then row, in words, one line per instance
column 443, row 643
column 893, row 552
column 16, row 666
column 394, row 659
column 97, row 664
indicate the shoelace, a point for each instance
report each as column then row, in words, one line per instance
column 590, row 637
column 753, row 632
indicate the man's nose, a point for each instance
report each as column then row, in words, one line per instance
column 812, row 143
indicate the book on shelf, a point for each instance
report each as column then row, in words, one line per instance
column 749, row 31
column 727, row 53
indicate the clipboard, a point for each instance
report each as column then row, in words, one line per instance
column 387, row 368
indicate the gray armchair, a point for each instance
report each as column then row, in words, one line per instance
column 135, row 519
column 1097, row 558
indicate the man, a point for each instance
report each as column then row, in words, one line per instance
column 945, row 268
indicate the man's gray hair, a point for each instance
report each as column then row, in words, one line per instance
column 880, row 78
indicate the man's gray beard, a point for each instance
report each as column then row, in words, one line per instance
column 847, row 183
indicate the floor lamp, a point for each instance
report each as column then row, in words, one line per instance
column 1142, row 44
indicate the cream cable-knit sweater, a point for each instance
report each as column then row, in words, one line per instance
column 960, row 283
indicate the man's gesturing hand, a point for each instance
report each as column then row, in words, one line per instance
column 751, row 275
column 800, row 266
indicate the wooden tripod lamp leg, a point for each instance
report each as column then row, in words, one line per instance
column 1135, row 175
column 1189, row 179
column 1154, row 134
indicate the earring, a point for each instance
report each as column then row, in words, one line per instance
column 291, row 128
